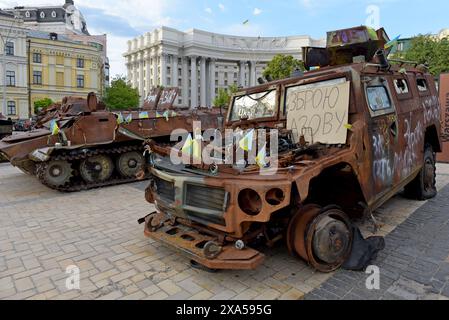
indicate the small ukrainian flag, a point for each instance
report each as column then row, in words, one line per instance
column 129, row 118
column 144, row 115
column 166, row 115
column 392, row 43
column 120, row 118
column 247, row 142
column 261, row 157
column 54, row 128
column 191, row 148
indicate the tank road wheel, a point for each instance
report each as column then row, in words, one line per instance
column 424, row 185
column 56, row 173
column 322, row 237
column 96, row 169
column 129, row 164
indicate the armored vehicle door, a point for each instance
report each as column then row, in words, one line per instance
column 383, row 131
column 409, row 147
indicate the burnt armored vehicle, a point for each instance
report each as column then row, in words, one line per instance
column 352, row 132
column 78, row 145
column 5, row 128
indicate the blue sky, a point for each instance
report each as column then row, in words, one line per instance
column 123, row 20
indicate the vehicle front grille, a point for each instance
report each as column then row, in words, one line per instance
column 205, row 197
column 165, row 190
column 208, row 198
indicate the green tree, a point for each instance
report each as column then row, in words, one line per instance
column 427, row 49
column 224, row 96
column 282, row 66
column 40, row 105
column 121, row 95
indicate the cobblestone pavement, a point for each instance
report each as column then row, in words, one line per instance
column 413, row 266
column 42, row 232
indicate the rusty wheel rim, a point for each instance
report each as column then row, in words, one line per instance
column 296, row 231
column 342, row 242
column 96, row 169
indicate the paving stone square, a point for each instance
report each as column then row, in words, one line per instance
column 43, row 232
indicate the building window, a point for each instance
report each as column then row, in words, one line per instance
column 37, row 58
column 27, row 14
column 80, row 63
column 60, row 79
column 9, row 48
column 53, row 14
column 11, row 108
column 42, row 14
column 80, row 81
column 37, row 77
column 60, row 60
column 10, row 78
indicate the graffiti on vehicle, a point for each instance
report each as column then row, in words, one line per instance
column 431, row 109
column 408, row 159
column 382, row 164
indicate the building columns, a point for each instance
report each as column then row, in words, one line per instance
column 175, row 76
column 194, row 84
column 148, row 71
column 185, row 81
column 141, row 91
column 253, row 75
column 242, row 74
column 163, row 69
column 203, row 102
column 155, row 68
column 212, row 81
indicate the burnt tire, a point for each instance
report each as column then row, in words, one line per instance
column 423, row 187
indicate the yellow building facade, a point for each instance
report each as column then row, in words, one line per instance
column 60, row 67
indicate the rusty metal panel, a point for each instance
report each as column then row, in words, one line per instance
column 152, row 99
column 444, row 103
column 168, row 98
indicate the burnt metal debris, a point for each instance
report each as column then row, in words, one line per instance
column 375, row 131
column 78, row 145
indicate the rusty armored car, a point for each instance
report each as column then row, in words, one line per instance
column 353, row 131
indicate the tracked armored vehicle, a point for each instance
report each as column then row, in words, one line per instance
column 78, row 145
column 350, row 133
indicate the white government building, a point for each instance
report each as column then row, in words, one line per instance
column 200, row 62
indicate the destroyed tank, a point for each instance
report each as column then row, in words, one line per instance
column 78, row 145
column 340, row 140
column 5, row 128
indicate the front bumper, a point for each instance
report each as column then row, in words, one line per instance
column 191, row 244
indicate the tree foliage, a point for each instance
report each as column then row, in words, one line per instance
column 282, row 66
column 427, row 49
column 224, row 96
column 121, row 95
column 40, row 105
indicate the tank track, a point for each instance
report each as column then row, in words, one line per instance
column 80, row 155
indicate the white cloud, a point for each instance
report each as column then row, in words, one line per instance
column 142, row 15
column 257, row 11
column 221, row 7
column 208, row 10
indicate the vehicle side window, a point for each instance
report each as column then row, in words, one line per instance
column 422, row 85
column 401, row 86
column 378, row 98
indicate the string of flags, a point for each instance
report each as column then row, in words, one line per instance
column 144, row 115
